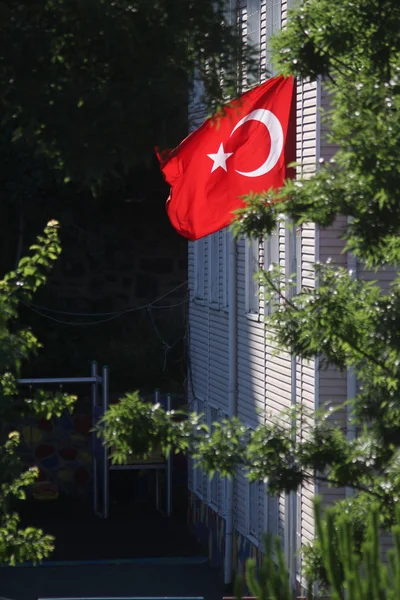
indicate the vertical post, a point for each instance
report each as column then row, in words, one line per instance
column 169, row 469
column 156, row 395
column 157, row 489
column 156, row 399
column 295, row 525
column 232, row 400
column 94, row 404
column 105, row 399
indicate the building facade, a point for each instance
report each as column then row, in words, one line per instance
column 234, row 368
column 264, row 383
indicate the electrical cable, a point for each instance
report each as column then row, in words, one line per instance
column 114, row 313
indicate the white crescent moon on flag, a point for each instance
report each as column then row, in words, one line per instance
column 272, row 123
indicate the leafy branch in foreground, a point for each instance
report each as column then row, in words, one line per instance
column 268, row 453
column 17, row 543
column 358, row 575
column 368, row 464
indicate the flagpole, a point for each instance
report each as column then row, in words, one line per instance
column 232, row 399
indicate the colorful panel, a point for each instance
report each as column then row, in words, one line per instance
column 62, row 449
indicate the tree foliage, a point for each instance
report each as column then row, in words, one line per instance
column 88, row 89
column 17, row 345
column 360, row 576
column 354, row 49
column 93, row 85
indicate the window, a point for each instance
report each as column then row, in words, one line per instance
column 273, row 24
column 253, row 32
column 253, row 509
column 230, row 11
column 252, row 285
column 253, row 22
column 213, row 268
column 271, row 253
column 214, row 482
column 199, row 251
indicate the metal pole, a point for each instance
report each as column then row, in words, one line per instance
column 43, row 380
column 157, row 489
column 105, row 392
column 169, row 469
column 156, row 395
column 156, row 400
column 94, row 404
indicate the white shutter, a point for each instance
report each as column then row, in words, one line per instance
column 213, row 484
column 199, row 252
column 273, row 514
column 213, row 268
column 227, row 236
column 254, row 509
column 222, row 481
column 252, row 267
column 290, row 256
column 271, row 251
column 299, row 507
column 198, row 472
column 298, row 259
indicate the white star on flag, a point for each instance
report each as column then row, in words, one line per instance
column 220, row 158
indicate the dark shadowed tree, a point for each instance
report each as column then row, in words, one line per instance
column 94, row 85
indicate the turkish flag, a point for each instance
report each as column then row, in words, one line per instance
column 246, row 149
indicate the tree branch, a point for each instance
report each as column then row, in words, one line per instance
column 356, row 486
column 363, row 353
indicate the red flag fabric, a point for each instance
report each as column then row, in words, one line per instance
column 245, row 150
